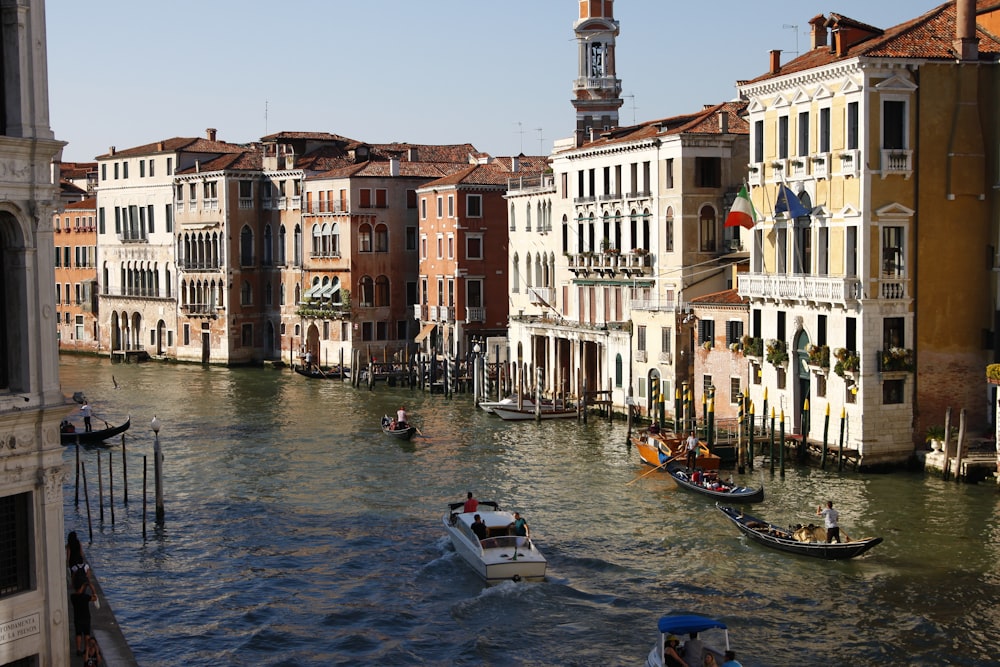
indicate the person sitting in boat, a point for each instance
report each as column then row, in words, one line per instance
column 66, row 427
column 385, row 421
column 479, row 528
column 654, row 428
column 471, row 504
column 393, row 426
column 696, row 476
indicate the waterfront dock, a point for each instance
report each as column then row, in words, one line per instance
column 105, row 628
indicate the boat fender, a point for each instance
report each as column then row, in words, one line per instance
column 516, row 577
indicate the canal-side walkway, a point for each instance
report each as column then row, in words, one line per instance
column 105, row 628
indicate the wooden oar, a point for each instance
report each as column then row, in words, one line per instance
column 418, row 431
column 649, row 472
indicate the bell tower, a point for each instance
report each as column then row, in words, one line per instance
column 597, row 92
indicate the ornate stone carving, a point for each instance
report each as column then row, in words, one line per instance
column 51, row 480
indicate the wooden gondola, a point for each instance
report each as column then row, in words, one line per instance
column 404, row 433
column 784, row 539
column 726, row 492
column 317, row 373
column 92, row 437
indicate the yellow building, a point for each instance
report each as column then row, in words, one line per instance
column 872, row 250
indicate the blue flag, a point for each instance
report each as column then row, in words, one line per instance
column 788, row 203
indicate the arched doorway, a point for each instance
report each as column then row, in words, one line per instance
column 653, row 397
column 803, row 378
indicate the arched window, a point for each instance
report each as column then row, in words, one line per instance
column 297, row 250
column 527, row 217
column 618, row 370
column 382, row 291
column 365, row 238
column 335, row 239
column 246, row 294
column 317, row 240
column 268, row 246
column 668, row 229
column 281, row 245
column 706, row 225
column 644, row 241
column 366, row 288
column 565, row 234
column 527, row 271
column 515, row 280
column 246, row 247
column 513, row 225
column 381, row 238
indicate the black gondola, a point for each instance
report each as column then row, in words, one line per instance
column 783, row 539
column 404, row 433
column 316, row 373
column 727, row 492
column 92, row 437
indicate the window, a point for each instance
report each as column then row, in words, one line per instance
column 892, row 391
column 451, row 206
column 451, row 246
column 893, row 124
column 735, row 387
column 440, row 207
column 852, row 125
column 381, row 238
column 668, row 229
column 381, row 198
column 474, row 293
column 669, row 173
column 473, row 247
column 804, row 133
column 423, row 208
column 246, row 247
column 758, row 141
column 707, row 226
column 640, row 338
column 170, row 218
column 411, row 238
column 666, row 339
column 708, row 172
column 734, row 332
column 246, row 335
column 365, row 238
column 440, row 246
column 892, row 333
column 15, row 544
column 366, row 287
column 706, row 331
column 142, row 169
column 170, row 166
column 473, row 206
column 783, row 137
column 382, row 291
column 824, row 130
column 246, row 294
column 892, row 252
column 619, row 372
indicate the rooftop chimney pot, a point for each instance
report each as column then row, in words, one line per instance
column 775, row 61
column 210, row 132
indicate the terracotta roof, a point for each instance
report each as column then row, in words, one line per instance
column 70, row 188
column 72, row 170
column 930, row 36
column 705, row 121
column 429, row 152
column 727, row 297
column 278, row 137
column 496, row 172
column 251, row 160
column 87, row 204
column 174, row 145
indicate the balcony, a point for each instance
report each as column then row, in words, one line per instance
column 637, row 263
column 442, row 313
column 475, row 315
column 821, row 165
column 654, row 305
column 531, row 184
column 542, row 295
column 797, row 167
column 199, row 309
column 896, row 161
column 800, row 289
column 755, row 173
column 850, row 163
column 893, row 288
column 420, row 312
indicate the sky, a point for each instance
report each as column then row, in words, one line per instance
column 498, row 75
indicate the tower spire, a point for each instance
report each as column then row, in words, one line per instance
column 597, row 91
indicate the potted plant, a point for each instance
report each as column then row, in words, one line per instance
column 819, row 355
column 707, row 345
column 993, row 373
column 896, row 359
column 848, row 361
column 777, row 352
column 935, row 437
column 753, row 347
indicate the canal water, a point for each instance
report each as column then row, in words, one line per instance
column 297, row 534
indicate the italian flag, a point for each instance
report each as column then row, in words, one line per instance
column 742, row 213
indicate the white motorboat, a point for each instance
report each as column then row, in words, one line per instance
column 509, row 402
column 501, row 556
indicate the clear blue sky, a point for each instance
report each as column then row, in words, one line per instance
column 131, row 72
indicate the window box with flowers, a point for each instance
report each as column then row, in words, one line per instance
column 707, row 345
column 819, row 356
column 896, row 359
column 777, row 352
column 848, row 362
column 753, row 347
column 641, row 252
column 993, row 373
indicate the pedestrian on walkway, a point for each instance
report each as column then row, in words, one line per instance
column 80, row 598
column 92, row 657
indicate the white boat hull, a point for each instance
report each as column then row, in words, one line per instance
column 497, row 558
column 527, row 414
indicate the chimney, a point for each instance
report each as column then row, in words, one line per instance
column 775, row 61
column 819, row 33
column 111, row 151
column 394, row 165
column 197, row 166
column 515, row 164
column 160, row 146
column 966, row 44
column 724, row 122
column 411, row 154
column 210, row 133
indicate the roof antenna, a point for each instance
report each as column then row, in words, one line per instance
column 789, row 26
column 630, row 95
column 541, row 151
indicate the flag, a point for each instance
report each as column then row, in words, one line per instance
column 789, row 204
column 742, row 213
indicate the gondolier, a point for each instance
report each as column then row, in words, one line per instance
column 691, row 446
column 831, row 518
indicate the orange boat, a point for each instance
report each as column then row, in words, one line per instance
column 657, row 448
